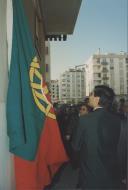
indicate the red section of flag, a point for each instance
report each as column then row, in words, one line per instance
column 35, row 175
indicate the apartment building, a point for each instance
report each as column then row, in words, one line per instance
column 72, row 86
column 110, row 69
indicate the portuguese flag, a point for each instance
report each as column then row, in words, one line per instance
column 34, row 136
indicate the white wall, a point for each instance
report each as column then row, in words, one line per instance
column 6, row 166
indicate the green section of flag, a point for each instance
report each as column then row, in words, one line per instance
column 24, row 119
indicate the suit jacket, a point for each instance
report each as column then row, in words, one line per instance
column 96, row 139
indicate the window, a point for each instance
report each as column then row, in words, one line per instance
column 104, row 60
column 46, row 50
column 104, row 63
column 105, row 83
column 98, row 60
column 126, row 60
column 104, row 75
column 105, row 70
column 120, row 64
column 95, row 75
column 111, row 60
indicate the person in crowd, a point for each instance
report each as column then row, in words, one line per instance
column 62, row 115
column 84, row 109
column 122, row 147
column 121, row 107
column 69, row 126
column 96, row 141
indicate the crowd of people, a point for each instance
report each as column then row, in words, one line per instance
column 94, row 133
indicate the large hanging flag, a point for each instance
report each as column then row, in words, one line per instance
column 32, row 128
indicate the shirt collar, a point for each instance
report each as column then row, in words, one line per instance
column 99, row 107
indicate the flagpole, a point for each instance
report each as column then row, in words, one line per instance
column 9, row 29
column 6, row 162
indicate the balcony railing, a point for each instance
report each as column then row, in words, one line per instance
column 104, row 63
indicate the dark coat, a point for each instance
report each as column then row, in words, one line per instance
column 96, row 139
column 122, row 147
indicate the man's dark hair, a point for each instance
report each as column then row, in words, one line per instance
column 106, row 95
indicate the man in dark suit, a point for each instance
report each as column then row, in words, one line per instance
column 96, row 141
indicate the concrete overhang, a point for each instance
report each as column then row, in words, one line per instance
column 59, row 16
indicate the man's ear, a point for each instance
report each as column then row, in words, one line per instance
column 97, row 100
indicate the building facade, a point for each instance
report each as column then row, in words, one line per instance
column 46, row 28
column 42, row 26
column 34, row 16
column 47, row 63
column 72, row 86
column 54, row 88
column 110, row 69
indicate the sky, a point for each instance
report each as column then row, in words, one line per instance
column 100, row 24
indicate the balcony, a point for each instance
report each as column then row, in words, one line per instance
column 104, row 70
column 105, row 78
column 104, row 63
column 59, row 16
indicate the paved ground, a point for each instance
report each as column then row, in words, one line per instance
column 66, row 179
